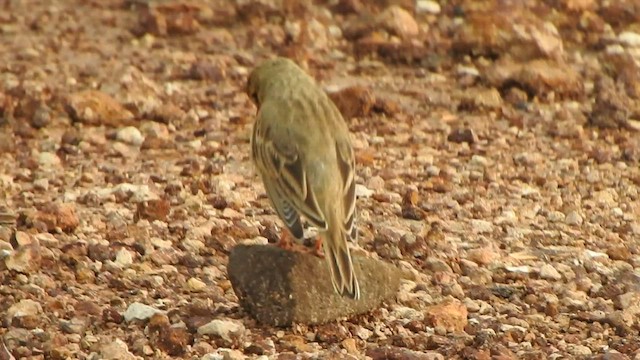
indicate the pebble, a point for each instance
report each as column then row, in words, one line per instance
column 124, row 258
column 399, row 21
column 26, row 307
column 556, row 216
column 376, row 183
column 428, row 6
column 481, row 226
column 48, row 160
column 195, row 285
column 548, row 272
column 130, row 135
column 573, row 218
column 116, row 350
column 433, row 170
column 363, row 192
column 629, row 38
column 140, row 311
column 228, row 330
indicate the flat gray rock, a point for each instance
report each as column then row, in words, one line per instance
column 279, row 287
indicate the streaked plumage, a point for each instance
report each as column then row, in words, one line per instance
column 302, row 151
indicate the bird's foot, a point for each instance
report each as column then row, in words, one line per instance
column 317, row 248
column 285, row 242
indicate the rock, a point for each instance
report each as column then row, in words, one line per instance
column 48, row 160
column 573, row 218
column 461, row 135
column 94, row 107
column 480, row 98
column 116, row 350
column 482, row 256
column 195, row 285
column 511, row 30
column 353, row 101
column 124, row 258
column 451, row 315
column 629, row 38
column 279, row 288
column 428, row 6
column 537, row 76
column 155, row 209
column 26, row 258
column 613, row 108
column 130, row 135
column 27, row 255
column 170, row 18
column 23, row 308
column 76, row 325
column 229, row 331
column 393, row 352
column 139, row 311
column 548, row 272
column 173, row 340
column 399, row 22
column 59, row 215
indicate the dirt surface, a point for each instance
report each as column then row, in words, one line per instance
column 498, row 161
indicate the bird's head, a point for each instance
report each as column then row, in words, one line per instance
column 265, row 74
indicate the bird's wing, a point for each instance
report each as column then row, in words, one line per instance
column 281, row 165
column 346, row 164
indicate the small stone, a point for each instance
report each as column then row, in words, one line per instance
column 229, row 331
column 399, row 21
column 195, row 285
column 74, row 326
column 451, row 315
column 579, row 350
column 483, row 256
column 353, row 101
column 629, row 38
column 155, row 209
column 59, row 215
column 363, row 192
column 428, row 6
column 349, row 344
column 548, row 272
column 26, row 307
column 173, row 340
column 556, row 216
column 573, row 218
column 48, row 160
column 25, row 259
column 462, row 135
column 394, row 352
column 124, row 258
column 481, row 226
column 139, row 311
column 116, row 350
column 97, row 108
column 130, row 135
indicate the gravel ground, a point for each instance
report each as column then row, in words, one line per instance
column 498, row 162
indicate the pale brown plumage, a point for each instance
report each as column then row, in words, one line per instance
column 302, row 151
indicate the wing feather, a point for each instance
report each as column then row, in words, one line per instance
column 280, row 164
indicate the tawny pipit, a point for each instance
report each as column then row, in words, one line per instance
column 301, row 148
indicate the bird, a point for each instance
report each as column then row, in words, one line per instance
column 302, row 151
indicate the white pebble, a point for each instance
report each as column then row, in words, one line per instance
column 130, row 135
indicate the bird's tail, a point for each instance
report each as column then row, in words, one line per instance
column 336, row 252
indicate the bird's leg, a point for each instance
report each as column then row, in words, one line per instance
column 317, row 251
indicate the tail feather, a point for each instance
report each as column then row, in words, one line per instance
column 341, row 266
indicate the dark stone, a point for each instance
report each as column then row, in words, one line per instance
column 279, row 287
